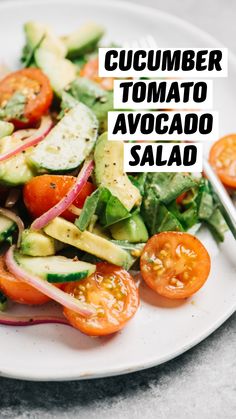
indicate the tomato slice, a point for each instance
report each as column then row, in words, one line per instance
column 43, row 192
column 223, row 158
column 17, row 290
column 175, row 264
column 34, row 87
column 90, row 71
column 112, row 291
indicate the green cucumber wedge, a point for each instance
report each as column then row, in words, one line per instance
column 55, row 268
column 68, row 143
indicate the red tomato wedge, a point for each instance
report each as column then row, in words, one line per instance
column 90, row 71
column 17, row 290
column 112, row 291
column 223, row 159
column 175, row 264
column 34, row 87
column 43, row 192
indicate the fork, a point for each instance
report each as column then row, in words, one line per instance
column 226, row 205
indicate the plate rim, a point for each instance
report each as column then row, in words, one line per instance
column 148, row 10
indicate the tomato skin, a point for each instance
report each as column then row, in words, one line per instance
column 90, row 71
column 97, row 292
column 180, row 198
column 43, row 192
column 17, row 290
column 175, row 264
column 39, row 94
column 223, row 159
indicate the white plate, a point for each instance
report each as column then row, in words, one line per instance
column 158, row 332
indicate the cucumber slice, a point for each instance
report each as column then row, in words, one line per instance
column 14, row 171
column 7, row 227
column 55, row 268
column 68, row 143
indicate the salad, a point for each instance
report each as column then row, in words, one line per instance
column 73, row 225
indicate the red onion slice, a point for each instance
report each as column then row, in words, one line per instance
column 11, row 320
column 39, row 135
column 14, row 217
column 66, row 300
column 67, row 200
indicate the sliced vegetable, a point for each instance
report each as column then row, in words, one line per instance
column 39, row 135
column 35, row 243
column 17, row 290
column 175, row 265
column 68, row 143
column 109, row 172
column 3, row 301
column 67, row 232
column 7, row 227
column 132, row 229
column 29, row 320
column 55, row 268
column 37, row 33
column 223, row 159
column 43, row 192
column 113, row 294
column 83, row 40
column 25, row 96
column 15, row 219
column 6, row 128
column 59, row 71
column 15, row 170
column 46, row 288
column 90, row 71
column 67, row 200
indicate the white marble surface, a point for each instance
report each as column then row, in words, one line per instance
column 199, row 384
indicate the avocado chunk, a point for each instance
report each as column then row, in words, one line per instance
column 100, row 101
column 14, row 171
column 60, row 71
column 109, row 172
column 6, row 128
column 35, row 243
column 83, row 40
column 68, row 233
column 37, row 33
column 132, row 229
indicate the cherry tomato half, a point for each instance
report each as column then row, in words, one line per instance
column 175, row 264
column 112, row 291
column 43, row 192
column 34, row 86
column 223, row 159
column 90, row 71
